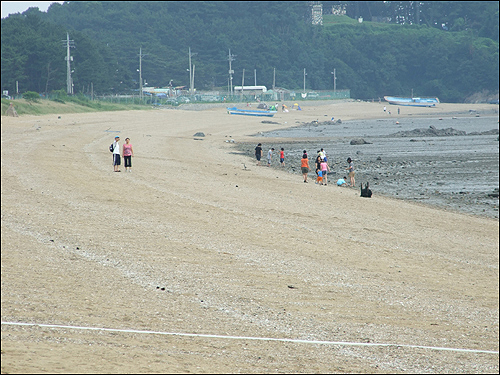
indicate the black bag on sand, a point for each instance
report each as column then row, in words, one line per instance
column 366, row 192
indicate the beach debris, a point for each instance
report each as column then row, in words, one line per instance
column 292, row 287
column 494, row 194
column 359, row 141
column 269, row 122
column 199, row 134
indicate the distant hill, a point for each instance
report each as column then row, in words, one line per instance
column 372, row 59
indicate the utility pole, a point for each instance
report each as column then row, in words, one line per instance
column 274, row 78
column 69, row 82
column 334, row 81
column 190, row 76
column 231, row 72
column 305, row 80
column 191, row 73
column 140, row 73
column 192, row 85
column 242, row 83
column 255, row 77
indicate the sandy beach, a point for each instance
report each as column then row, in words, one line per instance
column 199, row 260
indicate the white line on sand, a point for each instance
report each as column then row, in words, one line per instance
column 340, row 343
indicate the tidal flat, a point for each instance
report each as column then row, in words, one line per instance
column 403, row 158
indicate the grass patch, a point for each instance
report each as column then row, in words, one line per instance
column 330, row 19
column 58, row 106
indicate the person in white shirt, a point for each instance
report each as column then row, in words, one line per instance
column 116, row 154
column 269, row 156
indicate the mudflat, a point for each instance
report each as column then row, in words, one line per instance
column 199, row 240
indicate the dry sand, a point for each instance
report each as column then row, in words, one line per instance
column 249, row 252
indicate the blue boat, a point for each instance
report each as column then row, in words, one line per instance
column 414, row 102
column 250, row 112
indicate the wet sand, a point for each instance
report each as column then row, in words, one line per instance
column 199, row 240
column 449, row 162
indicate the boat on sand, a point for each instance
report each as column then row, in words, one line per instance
column 250, row 112
column 414, row 102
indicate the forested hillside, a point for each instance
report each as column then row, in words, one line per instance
column 451, row 52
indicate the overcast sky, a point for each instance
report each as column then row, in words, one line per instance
column 10, row 7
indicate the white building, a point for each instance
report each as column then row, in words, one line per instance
column 250, row 90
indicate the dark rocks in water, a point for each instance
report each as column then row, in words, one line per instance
column 199, row 134
column 487, row 132
column 360, row 141
column 315, row 123
column 429, row 132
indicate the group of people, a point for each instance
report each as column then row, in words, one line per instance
column 127, row 152
column 259, row 153
column 322, row 167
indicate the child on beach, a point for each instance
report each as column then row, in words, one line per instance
column 350, row 168
column 341, row 181
column 269, row 156
column 319, row 179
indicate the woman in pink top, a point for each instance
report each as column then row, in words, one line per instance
column 324, row 169
column 128, row 152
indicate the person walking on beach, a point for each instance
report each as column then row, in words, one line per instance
column 324, row 170
column 318, row 163
column 116, row 154
column 282, row 157
column 128, row 152
column 258, row 153
column 304, row 166
column 322, row 153
column 350, row 168
column 269, row 156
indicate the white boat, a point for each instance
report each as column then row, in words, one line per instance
column 250, row 112
column 414, row 102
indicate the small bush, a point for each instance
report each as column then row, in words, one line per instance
column 31, row 96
